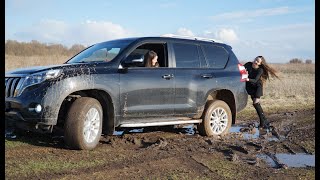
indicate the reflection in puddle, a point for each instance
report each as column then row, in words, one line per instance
column 185, row 129
column 136, row 130
column 253, row 133
column 291, row 160
column 9, row 133
column 189, row 129
column 268, row 160
column 118, row 133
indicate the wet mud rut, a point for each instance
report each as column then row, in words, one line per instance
column 288, row 151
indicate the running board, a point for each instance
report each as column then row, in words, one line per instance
column 146, row 124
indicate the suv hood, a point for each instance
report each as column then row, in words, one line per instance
column 34, row 69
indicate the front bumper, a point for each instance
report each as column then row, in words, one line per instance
column 15, row 120
column 23, row 116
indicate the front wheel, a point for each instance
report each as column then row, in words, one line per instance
column 216, row 120
column 83, row 125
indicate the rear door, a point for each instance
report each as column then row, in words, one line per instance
column 192, row 78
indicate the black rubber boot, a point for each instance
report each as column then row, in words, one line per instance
column 264, row 123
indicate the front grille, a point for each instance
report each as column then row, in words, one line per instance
column 13, row 85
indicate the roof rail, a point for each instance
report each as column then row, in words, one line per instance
column 190, row 37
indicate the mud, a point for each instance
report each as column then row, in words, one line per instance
column 177, row 152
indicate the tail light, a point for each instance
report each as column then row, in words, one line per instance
column 243, row 72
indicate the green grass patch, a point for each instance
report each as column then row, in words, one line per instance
column 181, row 175
column 50, row 164
column 46, row 161
column 298, row 173
column 224, row 168
column 309, row 145
column 13, row 144
column 38, row 167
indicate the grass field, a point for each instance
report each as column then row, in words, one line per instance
column 13, row 62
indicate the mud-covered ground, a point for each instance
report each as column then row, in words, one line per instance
column 174, row 153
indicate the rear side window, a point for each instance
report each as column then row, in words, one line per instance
column 186, row 55
column 216, row 56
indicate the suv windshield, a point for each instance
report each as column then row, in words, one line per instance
column 102, row 52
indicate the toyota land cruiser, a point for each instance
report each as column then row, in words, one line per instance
column 106, row 86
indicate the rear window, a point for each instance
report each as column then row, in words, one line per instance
column 216, row 56
column 186, row 55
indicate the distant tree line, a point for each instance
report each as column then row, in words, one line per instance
column 300, row 61
column 34, row 47
column 13, row 47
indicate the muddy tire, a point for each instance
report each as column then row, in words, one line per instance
column 216, row 120
column 83, row 125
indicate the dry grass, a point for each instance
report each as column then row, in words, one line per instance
column 296, row 85
column 290, row 85
column 295, row 68
column 296, row 88
column 13, row 62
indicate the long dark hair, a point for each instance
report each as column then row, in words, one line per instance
column 267, row 70
column 148, row 59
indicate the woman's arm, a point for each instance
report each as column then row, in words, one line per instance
column 256, row 79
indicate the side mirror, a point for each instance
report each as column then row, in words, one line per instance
column 134, row 60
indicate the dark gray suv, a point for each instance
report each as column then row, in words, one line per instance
column 107, row 86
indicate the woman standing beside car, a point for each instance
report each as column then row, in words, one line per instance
column 259, row 72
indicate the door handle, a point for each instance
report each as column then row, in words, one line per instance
column 207, row 76
column 167, row 76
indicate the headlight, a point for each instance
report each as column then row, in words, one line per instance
column 39, row 78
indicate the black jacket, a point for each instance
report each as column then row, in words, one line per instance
column 254, row 75
column 254, row 85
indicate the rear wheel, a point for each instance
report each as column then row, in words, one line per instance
column 83, row 125
column 216, row 120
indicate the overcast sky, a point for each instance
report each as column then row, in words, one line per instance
column 277, row 29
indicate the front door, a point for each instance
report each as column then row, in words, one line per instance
column 146, row 92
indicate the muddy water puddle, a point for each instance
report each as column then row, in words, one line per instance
column 9, row 134
column 184, row 129
column 288, row 160
column 243, row 131
column 249, row 133
column 119, row 133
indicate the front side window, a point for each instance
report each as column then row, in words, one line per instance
column 216, row 56
column 159, row 50
column 186, row 55
column 102, row 52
